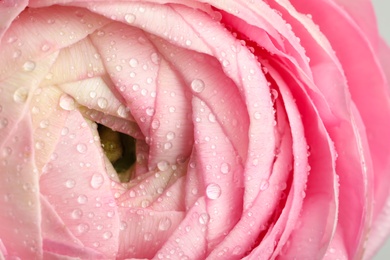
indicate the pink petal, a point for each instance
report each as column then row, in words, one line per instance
column 9, row 10
column 46, row 24
column 85, row 203
column 20, row 216
column 143, row 231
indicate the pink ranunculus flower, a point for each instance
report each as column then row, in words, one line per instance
column 185, row 129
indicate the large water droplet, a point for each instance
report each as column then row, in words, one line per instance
column 97, row 180
column 29, row 66
column 197, row 85
column 164, row 224
column 122, row 111
column 67, row 102
column 21, row 95
column 213, row 191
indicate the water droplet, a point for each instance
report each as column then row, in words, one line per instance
column 6, row 151
column 225, row 168
column 97, row 180
column 213, row 191
column 82, row 228
column 225, row 63
column 188, row 42
column 70, row 183
column 130, row 18
column 39, row 145
column 67, row 102
column 29, row 66
column 197, row 85
column 155, row 124
column 163, row 165
column 167, row 146
column 133, row 63
column 123, row 225
column 257, row 115
column 102, row 102
column 204, row 218
column 148, row 236
column 107, row 235
column 164, row 224
column 170, row 136
column 274, row 95
column 82, row 199
column 21, row 95
column 212, row 118
column 155, row 58
column 77, row 214
column 45, row 47
column 92, row 94
column 118, row 68
column 82, row 148
column 44, row 124
column 3, row 123
column 122, row 111
column 150, row 111
column 264, row 184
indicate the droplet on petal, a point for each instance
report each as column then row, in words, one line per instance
column 213, row 191
column 197, row 85
column 225, row 168
column 29, row 66
column 97, row 180
column 21, row 95
column 130, row 18
column 67, row 102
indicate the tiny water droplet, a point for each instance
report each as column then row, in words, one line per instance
column 155, row 58
column 212, row 118
column 148, row 236
column 130, row 18
column 21, row 95
column 122, row 111
column 92, row 94
column 29, row 66
column 167, row 146
column 155, row 124
column 82, row 228
column 97, row 180
column 102, row 102
column 44, row 124
column 77, row 214
column 213, row 191
column 70, row 183
column 164, row 224
column 67, row 102
column 45, row 47
column 133, row 63
column 225, row 168
column 197, row 85
column 150, row 111
column 170, row 136
column 163, row 165
column 264, row 184
column 107, row 235
column 204, row 218
column 81, row 148
column 82, row 199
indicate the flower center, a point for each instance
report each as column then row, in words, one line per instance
column 120, row 150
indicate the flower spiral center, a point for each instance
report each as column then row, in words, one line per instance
column 120, row 151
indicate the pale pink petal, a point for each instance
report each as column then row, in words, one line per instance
column 85, row 203
column 49, row 36
column 189, row 238
column 75, row 62
column 144, row 231
column 360, row 75
column 20, row 217
column 316, row 226
column 58, row 239
column 9, row 10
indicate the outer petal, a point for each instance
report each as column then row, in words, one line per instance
column 9, row 10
